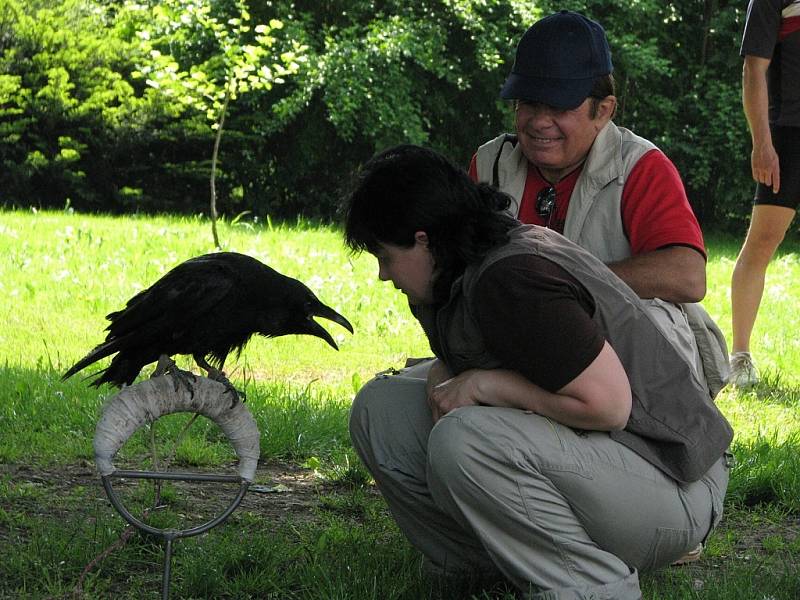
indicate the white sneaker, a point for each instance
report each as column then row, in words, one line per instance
column 743, row 371
column 690, row 557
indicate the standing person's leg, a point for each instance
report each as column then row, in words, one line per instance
column 768, row 227
column 772, row 215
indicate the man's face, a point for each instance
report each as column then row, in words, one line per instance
column 556, row 140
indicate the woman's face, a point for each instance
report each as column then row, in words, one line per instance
column 411, row 270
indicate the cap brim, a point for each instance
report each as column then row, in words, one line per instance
column 560, row 93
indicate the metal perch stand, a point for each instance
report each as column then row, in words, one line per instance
column 149, row 400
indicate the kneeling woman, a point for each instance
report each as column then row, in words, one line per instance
column 558, row 436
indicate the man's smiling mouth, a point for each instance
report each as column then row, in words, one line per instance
column 541, row 140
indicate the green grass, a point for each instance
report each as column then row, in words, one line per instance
column 60, row 273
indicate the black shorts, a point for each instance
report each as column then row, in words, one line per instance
column 787, row 144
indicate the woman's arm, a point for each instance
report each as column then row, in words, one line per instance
column 536, row 321
column 599, row 398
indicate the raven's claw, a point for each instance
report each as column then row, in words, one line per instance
column 180, row 377
column 219, row 376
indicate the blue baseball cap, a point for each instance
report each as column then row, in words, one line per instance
column 558, row 60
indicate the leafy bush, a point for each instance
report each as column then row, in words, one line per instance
column 112, row 106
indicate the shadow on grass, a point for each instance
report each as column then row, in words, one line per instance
column 338, row 547
column 773, row 389
column 767, row 471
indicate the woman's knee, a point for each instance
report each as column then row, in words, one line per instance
column 761, row 246
column 366, row 397
column 456, row 448
column 767, row 230
column 387, row 404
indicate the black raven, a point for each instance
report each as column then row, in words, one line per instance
column 206, row 307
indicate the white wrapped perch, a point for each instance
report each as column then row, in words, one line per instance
column 145, row 402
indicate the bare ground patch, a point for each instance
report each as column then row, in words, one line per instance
column 281, row 492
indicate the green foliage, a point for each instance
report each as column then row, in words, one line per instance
column 107, row 105
column 235, row 57
column 378, row 75
column 80, row 124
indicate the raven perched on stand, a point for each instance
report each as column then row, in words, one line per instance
column 206, row 307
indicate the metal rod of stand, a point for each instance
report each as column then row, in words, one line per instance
column 167, row 568
column 169, row 535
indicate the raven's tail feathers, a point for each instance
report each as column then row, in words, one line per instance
column 99, row 352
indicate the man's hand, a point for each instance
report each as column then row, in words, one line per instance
column 766, row 167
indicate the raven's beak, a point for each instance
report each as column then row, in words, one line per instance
column 326, row 313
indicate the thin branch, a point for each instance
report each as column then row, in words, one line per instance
column 214, row 155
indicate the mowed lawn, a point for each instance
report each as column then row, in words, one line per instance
column 61, row 273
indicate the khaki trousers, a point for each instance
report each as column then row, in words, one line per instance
column 562, row 515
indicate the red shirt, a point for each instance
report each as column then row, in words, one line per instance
column 655, row 210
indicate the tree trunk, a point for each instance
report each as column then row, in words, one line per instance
column 214, row 155
column 710, row 9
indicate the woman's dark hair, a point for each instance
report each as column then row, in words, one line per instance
column 407, row 189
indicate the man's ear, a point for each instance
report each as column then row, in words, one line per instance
column 606, row 109
column 421, row 237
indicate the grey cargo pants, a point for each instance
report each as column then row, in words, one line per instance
column 562, row 515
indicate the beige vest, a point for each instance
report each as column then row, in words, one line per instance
column 674, row 424
column 594, row 218
column 594, row 221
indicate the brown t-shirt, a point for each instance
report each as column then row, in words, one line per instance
column 537, row 320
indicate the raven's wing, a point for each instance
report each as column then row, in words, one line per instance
column 181, row 298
